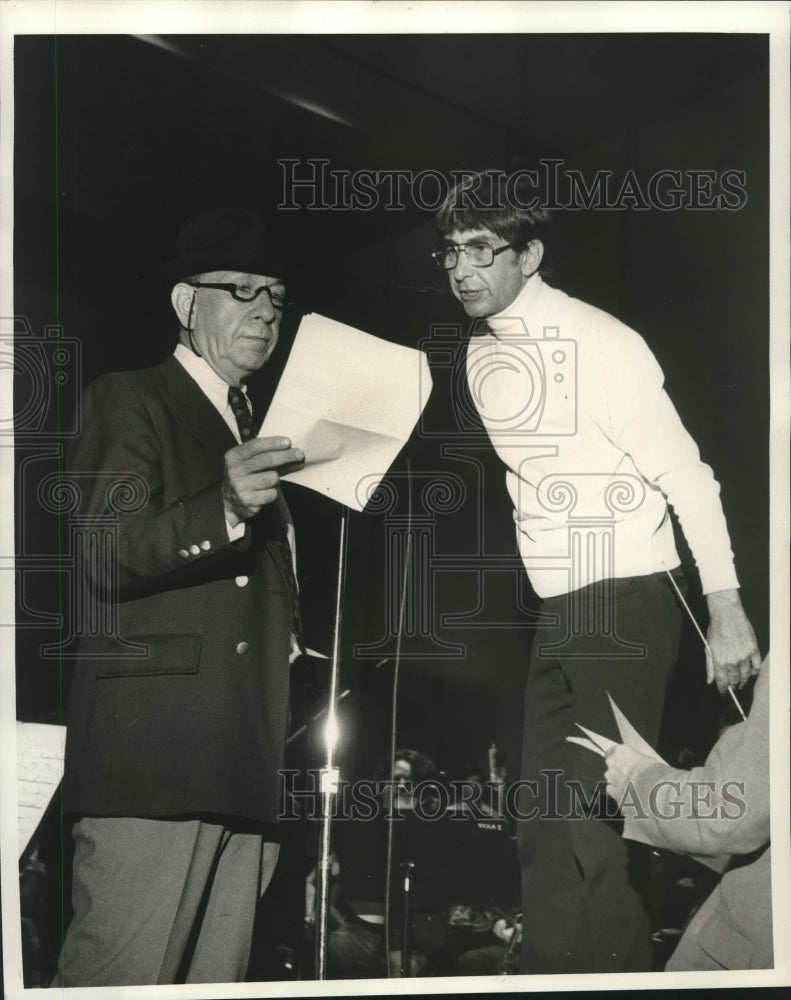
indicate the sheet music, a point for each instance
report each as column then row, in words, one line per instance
column 39, row 771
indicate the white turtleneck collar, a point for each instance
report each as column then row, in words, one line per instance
column 510, row 321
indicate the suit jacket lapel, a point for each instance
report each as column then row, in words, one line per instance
column 193, row 410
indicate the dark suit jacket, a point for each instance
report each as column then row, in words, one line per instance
column 197, row 723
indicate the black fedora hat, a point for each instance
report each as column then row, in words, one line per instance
column 229, row 239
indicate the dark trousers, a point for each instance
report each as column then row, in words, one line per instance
column 583, row 886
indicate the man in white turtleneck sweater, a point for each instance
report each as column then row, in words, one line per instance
column 574, row 405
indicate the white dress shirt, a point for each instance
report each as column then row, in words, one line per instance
column 216, row 391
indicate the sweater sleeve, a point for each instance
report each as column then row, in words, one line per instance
column 638, row 416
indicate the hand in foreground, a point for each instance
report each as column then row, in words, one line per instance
column 620, row 764
column 734, row 650
column 252, row 474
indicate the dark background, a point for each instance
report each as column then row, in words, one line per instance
column 118, row 138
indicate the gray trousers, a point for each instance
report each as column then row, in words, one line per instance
column 162, row 901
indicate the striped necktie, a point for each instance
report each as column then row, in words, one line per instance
column 271, row 512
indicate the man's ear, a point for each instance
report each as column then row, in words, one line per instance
column 181, row 299
column 531, row 257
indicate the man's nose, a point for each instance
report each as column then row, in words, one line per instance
column 462, row 268
column 263, row 309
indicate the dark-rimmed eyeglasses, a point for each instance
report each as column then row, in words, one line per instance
column 478, row 253
column 243, row 293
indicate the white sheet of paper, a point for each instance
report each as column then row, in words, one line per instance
column 350, row 401
column 39, row 771
column 629, row 734
column 598, row 744
column 588, row 744
column 629, row 737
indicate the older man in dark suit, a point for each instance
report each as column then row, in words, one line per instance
column 176, row 737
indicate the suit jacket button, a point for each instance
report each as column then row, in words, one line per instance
column 242, row 648
column 184, row 554
column 205, row 545
column 242, row 581
column 195, row 550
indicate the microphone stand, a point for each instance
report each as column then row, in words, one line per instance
column 406, row 958
column 329, row 774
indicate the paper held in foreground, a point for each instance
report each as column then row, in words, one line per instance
column 350, row 401
column 629, row 737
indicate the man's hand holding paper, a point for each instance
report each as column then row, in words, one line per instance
column 252, row 472
column 621, row 763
